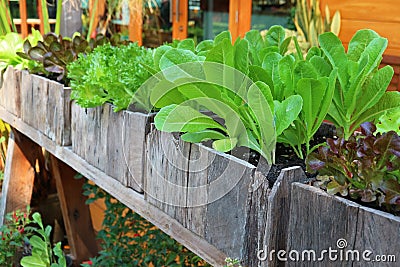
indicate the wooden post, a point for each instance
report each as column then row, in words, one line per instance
column 76, row 213
column 180, row 10
column 19, row 173
column 99, row 12
column 71, row 18
column 24, row 18
column 136, row 21
column 40, row 14
column 239, row 18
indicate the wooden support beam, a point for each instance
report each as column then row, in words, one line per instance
column 99, row 12
column 40, row 14
column 76, row 214
column 180, row 10
column 19, row 173
column 24, row 18
column 135, row 27
column 239, row 18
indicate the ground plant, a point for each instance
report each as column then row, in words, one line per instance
column 12, row 236
column 43, row 253
column 127, row 239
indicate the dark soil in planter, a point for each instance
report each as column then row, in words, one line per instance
column 284, row 156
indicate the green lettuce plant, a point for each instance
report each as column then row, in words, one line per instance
column 360, row 94
column 109, row 74
column 312, row 79
column 247, row 108
column 11, row 45
column 390, row 121
column 290, row 95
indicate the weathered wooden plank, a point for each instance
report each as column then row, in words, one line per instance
column 27, row 85
column 19, row 173
column 114, row 141
column 378, row 232
column 317, row 221
column 229, row 181
column 71, row 19
column 167, row 168
column 58, row 114
column 212, row 194
column 10, row 91
column 46, row 107
column 76, row 213
column 256, row 220
column 279, row 205
column 136, row 126
column 114, row 144
column 124, row 194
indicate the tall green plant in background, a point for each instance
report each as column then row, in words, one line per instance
column 310, row 23
column 45, row 14
column 44, row 254
column 6, row 21
column 58, row 17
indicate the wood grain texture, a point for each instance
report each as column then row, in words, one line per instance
column 318, row 220
column 10, row 91
column 45, row 105
column 383, row 17
column 129, row 197
column 76, row 214
column 279, row 205
column 386, row 10
column 196, row 186
column 379, row 232
column 113, row 142
column 217, row 196
column 19, row 173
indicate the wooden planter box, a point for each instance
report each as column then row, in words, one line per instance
column 113, row 142
column 10, row 91
column 39, row 102
column 224, row 200
column 319, row 221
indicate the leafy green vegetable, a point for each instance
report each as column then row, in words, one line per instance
column 390, row 121
column 53, row 54
column 360, row 93
column 109, row 74
column 10, row 45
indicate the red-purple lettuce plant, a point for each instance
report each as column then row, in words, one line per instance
column 366, row 167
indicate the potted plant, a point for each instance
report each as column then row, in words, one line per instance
column 331, row 84
column 104, row 83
